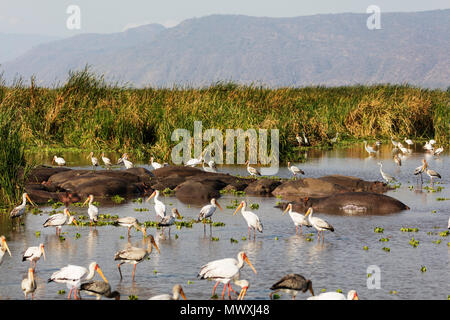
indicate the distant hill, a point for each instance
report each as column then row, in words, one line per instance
column 14, row 45
column 326, row 49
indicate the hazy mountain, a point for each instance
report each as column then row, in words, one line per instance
column 327, row 49
column 14, row 45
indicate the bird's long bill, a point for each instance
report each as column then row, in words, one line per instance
column 178, row 214
column 30, row 200
column 152, row 195
column 155, row 245
column 97, row 268
column 308, row 212
column 85, row 202
column 355, row 297
column 144, row 232
column 217, row 202
column 286, row 210
column 242, row 293
column 43, row 252
column 238, row 208
column 7, row 248
column 75, row 221
column 32, row 275
column 250, row 264
column 182, row 294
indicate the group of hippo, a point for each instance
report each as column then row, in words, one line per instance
column 330, row 194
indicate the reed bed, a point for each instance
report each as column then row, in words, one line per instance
column 90, row 114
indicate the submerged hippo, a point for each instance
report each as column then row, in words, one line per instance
column 350, row 203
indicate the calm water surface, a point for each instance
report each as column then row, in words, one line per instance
column 338, row 263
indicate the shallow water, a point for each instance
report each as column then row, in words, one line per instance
column 338, row 263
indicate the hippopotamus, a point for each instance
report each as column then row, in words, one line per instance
column 350, row 203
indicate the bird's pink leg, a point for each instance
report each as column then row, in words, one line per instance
column 229, row 287
column 70, row 294
column 214, row 289
column 134, row 269
column 296, row 229
column 223, row 291
column 249, row 233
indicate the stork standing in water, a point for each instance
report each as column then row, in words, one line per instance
column 3, row 248
column 160, row 207
column 369, row 149
column 430, row 172
column 29, row 284
column 253, row 171
column 395, row 143
column 177, row 290
column 106, row 161
column 167, row 221
column 131, row 222
column 409, row 142
column 71, row 275
column 92, row 210
column 319, row 224
column 294, row 169
column 420, row 170
column 292, row 284
column 207, row 212
column 59, row 161
column 437, row 151
column 33, row 254
column 397, row 160
column 94, row 160
column 99, row 289
column 297, row 218
column 60, row 219
column 351, row 295
column 134, row 255
column 224, row 271
column 385, row 175
column 18, row 211
column 251, row 218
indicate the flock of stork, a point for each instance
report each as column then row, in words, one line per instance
column 222, row 271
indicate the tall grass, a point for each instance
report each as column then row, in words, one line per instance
column 13, row 167
column 90, row 114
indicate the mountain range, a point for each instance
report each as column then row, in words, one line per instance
column 325, row 49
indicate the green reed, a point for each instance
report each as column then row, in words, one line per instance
column 88, row 113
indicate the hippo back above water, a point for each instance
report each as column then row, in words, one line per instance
column 351, row 203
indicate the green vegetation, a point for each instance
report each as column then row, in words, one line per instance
column 13, row 167
column 378, row 230
column 90, row 114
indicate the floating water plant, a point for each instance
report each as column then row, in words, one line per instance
column 386, row 249
column 366, row 248
column 132, row 297
column 38, row 234
column 423, row 269
column 414, row 242
column 214, row 239
column 233, row 240
column 384, row 239
column 254, row 206
column 409, row 229
column 378, row 230
column 117, row 199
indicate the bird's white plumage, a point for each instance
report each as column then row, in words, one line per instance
column 335, row 296
column 59, row 161
column 154, row 164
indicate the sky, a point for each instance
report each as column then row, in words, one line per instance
column 50, row 17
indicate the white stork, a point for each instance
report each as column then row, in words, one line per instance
column 3, row 248
column 177, row 290
column 33, row 254
column 59, row 161
column 351, row 295
column 29, row 284
column 224, row 270
column 92, row 210
column 319, row 224
column 60, row 219
column 71, row 275
column 160, row 207
column 298, row 218
column 251, row 218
